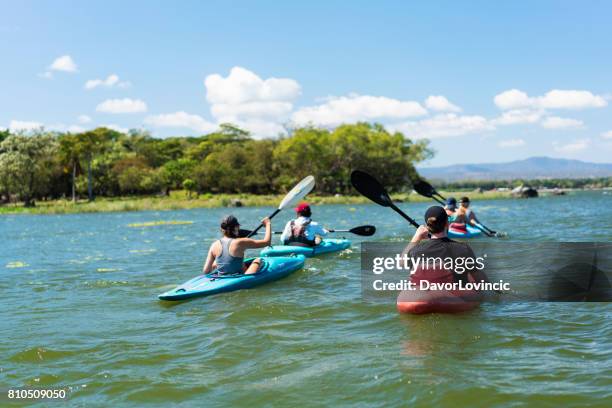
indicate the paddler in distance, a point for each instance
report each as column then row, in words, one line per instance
column 226, row 255
column 463, row 216
column 451, row 206
column 303, row 231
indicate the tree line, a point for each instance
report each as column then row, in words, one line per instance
column 105, row 162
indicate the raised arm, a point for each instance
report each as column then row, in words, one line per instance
column 249, row 243
column 421, row 233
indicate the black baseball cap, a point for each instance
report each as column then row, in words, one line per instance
column 436, row 212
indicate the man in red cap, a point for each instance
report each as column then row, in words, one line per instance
column 303, row 231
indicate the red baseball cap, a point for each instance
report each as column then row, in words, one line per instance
column 301, row 207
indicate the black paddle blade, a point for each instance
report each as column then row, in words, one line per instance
column 423, row 188
column 427, row 190
column 364, row 230
column 244, row 233
column 369, row 187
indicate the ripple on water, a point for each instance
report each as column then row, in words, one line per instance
column 41, row 354
column 309, row 339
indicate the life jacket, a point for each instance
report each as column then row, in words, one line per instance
column 298, row 235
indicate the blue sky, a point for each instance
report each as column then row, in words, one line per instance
column 484, row 81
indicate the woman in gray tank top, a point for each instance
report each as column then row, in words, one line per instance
column 226, row 255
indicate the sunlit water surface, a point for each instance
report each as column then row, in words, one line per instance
column 80, row 310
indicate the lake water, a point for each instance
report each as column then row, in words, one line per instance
column 80, row 310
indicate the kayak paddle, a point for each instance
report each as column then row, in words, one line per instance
column 427, row 190
column 363, row 230
column 371, row 188
column 296, row 194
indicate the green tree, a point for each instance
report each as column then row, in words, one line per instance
column 91, row 143
column 190, row 186
column 175, row 171
column 227, row 134
column 69, row 151
column 331, row 156
column 130, row 173
column 4, row 134
column 25, row 164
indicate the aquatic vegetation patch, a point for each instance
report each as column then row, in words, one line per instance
column 16, row 264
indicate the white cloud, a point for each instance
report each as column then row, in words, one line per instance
column 228, row 113
column 64, row 64
column 555, row 122
column 560, row 99
column 512, row 99
column 84, row 119
column 554, row 99
column 575, row 146
column 607, row 135
column 243, row 98
column 441, row 104
column 242, row 85
column 444, row 125
column 353, row 108
column 125, row 105
column 511, row 143
column 517, row 117
column 110, row 81
column 181, row 120
column 24, row 126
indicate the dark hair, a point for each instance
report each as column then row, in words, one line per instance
column 228, row 225
column 305, row 212
column 464, row 200
column 436, row 225
column 436, row 219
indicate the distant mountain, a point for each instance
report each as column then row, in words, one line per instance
column 532, row 168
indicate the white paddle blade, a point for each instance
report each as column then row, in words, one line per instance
column 298, row 192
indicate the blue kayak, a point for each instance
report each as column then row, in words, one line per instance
column 325, row 247
column 271, row 269
column 472, row 232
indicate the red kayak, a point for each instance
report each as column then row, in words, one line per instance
column 438, row 301
column 423, row 300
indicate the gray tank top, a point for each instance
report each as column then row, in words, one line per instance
column 226, row 263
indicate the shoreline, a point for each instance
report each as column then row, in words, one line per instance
column 178, row 200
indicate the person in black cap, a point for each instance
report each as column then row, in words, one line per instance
column 431, row 243
column 226, row 255
column 431, row 240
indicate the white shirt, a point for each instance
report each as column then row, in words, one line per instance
column 311, row 231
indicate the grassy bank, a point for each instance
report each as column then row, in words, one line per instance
column 179, row 200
